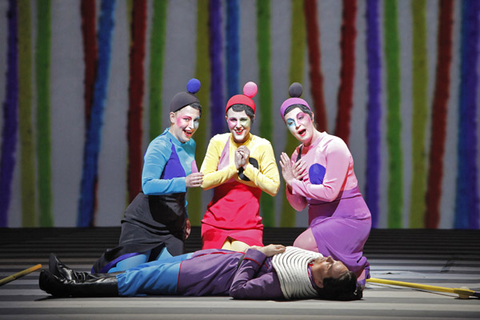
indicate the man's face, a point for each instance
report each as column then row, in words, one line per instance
column 239, row 125
column 326, row 267
column 184, row 123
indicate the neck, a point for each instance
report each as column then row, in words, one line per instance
column 170, row 130
column 240, row 142
column 315, row 136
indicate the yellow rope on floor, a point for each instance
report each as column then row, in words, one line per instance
column 19, row 274
column 463, row 293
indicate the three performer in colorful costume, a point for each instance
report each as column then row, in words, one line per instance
column 239, row 166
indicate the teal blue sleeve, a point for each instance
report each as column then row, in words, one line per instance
column 157, row 155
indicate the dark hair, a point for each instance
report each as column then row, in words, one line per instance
column 194, row 105
column 243, row 107
column 344, row 288
column 302, row 107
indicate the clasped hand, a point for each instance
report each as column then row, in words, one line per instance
column 290, row 172
column 242, row 155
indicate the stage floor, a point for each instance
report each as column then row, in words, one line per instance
column 448, row 258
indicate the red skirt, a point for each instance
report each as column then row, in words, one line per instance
column 214, row 238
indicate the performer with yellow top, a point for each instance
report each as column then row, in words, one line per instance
column 239, row 166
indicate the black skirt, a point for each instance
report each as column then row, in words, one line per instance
column 150, row 223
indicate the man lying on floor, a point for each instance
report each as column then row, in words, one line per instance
column 271, row 272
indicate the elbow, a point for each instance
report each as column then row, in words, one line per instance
column 235, row 293
column 271, row 186
column 146, row 188
column 273, row 191
column 206, row 185
column 298, row 203
column 298, row 206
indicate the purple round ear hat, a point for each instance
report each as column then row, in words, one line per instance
column 183, row 99
column 249, row 91
column 295, row 91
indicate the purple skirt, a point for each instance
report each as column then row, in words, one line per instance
column 341, row 228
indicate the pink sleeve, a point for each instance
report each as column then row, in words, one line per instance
column 297, row 202
column 337, row 162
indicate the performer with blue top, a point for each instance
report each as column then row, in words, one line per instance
column 156, row 223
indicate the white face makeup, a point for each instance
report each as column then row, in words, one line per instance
column 300, row 125
column 239, row 125
column 184, row 123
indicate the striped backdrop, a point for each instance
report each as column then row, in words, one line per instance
column 85, row 87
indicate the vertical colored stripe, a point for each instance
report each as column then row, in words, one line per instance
column 419, row 113
column 27, row 145
column 439, row 114
column 42, row 65
column 90, row 51
column 315, row 69
column 233, row 47
column 137, row 81
column 10, row 116
column 129, row 9
column 129, row 15
column 347, row 72
column 86, row 207
column 466, row 202
column 394, row 125
column 217, row 104
column 157, row 53
column 264, row 109
column 202, row 73
column 374, row 76
column 297, row 54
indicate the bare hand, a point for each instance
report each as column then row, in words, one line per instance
column 188, row 229
column 194, row 180
column 245, row 152
column 239, row 161
column 287, row 171
column 271, row 249
column 242, row 155
column 299, row 169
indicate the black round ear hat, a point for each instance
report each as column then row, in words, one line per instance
column 183, row 99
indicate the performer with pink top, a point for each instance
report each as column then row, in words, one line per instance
column 320, row 174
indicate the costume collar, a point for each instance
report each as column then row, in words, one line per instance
column 316, row 141
column 172, row 137
column 250, row 137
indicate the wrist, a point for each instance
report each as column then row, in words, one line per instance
column 289, row 182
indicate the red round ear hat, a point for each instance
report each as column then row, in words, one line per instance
column 249, row 91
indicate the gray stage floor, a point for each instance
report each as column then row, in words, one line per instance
column 449, row 258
